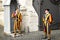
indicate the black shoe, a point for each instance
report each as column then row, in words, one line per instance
column 49, row 39
column 15, row 34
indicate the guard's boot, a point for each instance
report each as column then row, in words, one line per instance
column 15, row 35
column 19, row 31
column 45, row 36
column 49, row 38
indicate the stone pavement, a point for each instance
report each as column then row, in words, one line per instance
column 55, row 35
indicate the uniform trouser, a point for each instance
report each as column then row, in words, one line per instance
column 47, row 30
column 16, row 26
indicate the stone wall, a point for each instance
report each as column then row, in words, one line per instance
column 30, row 17
column 1, row 13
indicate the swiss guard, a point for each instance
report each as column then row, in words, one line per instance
column 47, row 20
column 17, row 16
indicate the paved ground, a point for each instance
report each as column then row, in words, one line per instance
column 30, row 36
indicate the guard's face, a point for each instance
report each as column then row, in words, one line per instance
column 46, row 11
column 17, row 10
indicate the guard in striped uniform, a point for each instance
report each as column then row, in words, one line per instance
column 17, row 16
column 47, row 20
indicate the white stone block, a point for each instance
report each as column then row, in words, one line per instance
column 7, row 19
column 33, row 20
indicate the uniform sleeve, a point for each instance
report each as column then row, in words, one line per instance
column 20, row 17
column 50, row 19
column 42, row 19
column 12, row 14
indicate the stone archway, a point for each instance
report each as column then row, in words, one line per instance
column 41, row 5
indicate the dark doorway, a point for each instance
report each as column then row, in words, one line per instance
column 40, row 5
column 13, row 6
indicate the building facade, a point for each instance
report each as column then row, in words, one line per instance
column 30, row 17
